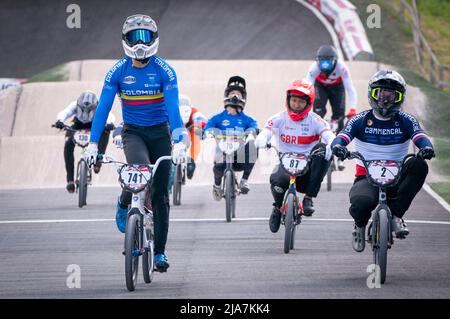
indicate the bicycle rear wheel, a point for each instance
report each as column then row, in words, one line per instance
column 82, row 182
column 289, row 224
column 132, row 250
column 381, row 234
column 177, row 181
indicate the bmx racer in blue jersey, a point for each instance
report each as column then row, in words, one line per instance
column 148, row 89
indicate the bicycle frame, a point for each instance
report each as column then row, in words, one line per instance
column 229, row 159
column 379, row 234
column 80, row 189
column 297, row 204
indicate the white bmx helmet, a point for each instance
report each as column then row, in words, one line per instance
column 185, row 108
column 86, row 105
column 140, row 37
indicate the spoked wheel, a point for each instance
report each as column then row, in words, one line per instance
column 132, row 251
column 148, row 259
column 82, row 182
column 177, row 182
column 230, row 196
column 289, row 224
column 380, row 232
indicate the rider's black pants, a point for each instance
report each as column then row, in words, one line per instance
column 336, row 95
column 364, row 196
column 144, row 145
column 309, row 184
column 69, row 146
column 243, row 160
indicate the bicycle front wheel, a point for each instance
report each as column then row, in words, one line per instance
column 229, row 195
column 381, row 233
column 132, row 250
column 289, row 224
column 82, row 182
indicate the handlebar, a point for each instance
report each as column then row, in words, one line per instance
column 65, row 128
column 358, row 155
column 312, row 154
column 108, row 159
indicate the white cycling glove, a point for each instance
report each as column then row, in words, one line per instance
column 179, row 153
column 328, row 153
column 90, row 154
column 260, row 143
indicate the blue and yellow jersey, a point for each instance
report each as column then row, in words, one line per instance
column 149, row 95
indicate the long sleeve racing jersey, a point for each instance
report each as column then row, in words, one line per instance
column 378, row 139
column 231, row 124
column 297, row 136
column 149, row 96
column 338, row 76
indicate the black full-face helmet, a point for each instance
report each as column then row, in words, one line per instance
column 326, row 58
column 235, row 83
column 386, row 92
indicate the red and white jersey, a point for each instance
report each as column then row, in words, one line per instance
column 338, row 76
column 296, row 136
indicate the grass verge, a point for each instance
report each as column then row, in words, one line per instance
column 58, row 73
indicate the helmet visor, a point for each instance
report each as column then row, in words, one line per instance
column 326, row 64
column 386, row 96
column 139, row 36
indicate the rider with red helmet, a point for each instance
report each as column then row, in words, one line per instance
column 298, row 130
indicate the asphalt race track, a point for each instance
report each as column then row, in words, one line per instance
column 209, row 257
column 43, row 233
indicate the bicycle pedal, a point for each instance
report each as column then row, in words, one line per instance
column 161, row 269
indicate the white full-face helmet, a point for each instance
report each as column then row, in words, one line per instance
column 185, row 108
column 140, row 37
column 86, row 105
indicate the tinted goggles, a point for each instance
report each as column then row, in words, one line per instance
column 139, row 36
column 386, row 95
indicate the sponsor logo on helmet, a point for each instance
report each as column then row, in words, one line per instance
column 129, row 79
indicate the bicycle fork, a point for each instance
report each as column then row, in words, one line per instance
column 297, row 203
column 145, row 222
column 382, row 204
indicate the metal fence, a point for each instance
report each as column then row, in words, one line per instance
column 436, row 73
